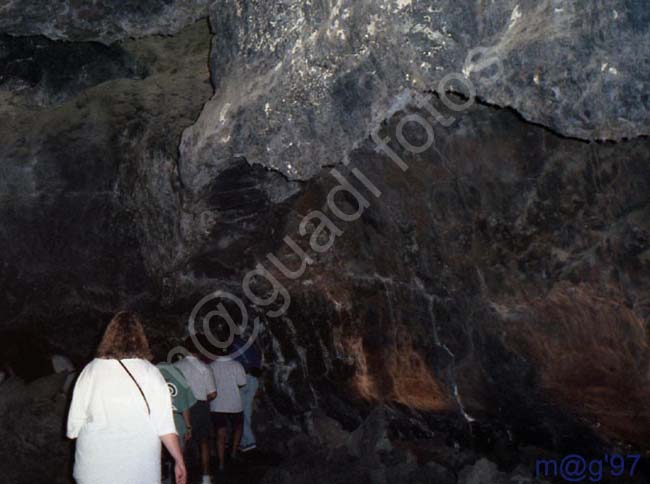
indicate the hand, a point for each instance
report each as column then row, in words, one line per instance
column 188, row 435
column 181, row 472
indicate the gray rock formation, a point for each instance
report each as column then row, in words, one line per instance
column 103, row 21
column 300, row 84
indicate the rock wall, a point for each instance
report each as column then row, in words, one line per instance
column 103, row 21
column 301, row 84
column 148, row 173
column 412, row 303
column 424, row 299
column 89, row 151
column 34, row 448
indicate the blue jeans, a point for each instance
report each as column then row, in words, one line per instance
column 248, row 396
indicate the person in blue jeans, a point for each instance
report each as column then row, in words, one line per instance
column 251, row 360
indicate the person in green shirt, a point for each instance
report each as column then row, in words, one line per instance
column 182, row 399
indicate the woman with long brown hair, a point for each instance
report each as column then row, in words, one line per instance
column 121, row 412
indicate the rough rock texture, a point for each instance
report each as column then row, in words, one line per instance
column 33, row 448
column 104, row 20
column 377, row 460
column 416, row 300
column 45, row 71
column 84, row 144
column 510, row 245
column 301, row 83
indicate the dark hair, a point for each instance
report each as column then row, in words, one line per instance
column 223, row 334
column 191, row 345
column 124, row 338
column 199, row 344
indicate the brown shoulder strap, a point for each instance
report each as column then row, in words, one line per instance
column 137, row 385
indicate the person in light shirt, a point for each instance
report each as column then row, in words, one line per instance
column 121, row 411
column 227, row 408
column 200, row 379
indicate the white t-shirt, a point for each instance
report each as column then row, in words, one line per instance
column 198, row 376
column 118, row 442
column 229, row 375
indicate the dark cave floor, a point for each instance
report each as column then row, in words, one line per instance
column 250, row 468
column 383, row 449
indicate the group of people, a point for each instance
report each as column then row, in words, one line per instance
column 124, row 409
column 222, row 395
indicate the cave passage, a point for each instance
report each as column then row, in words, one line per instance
column 388, row 241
